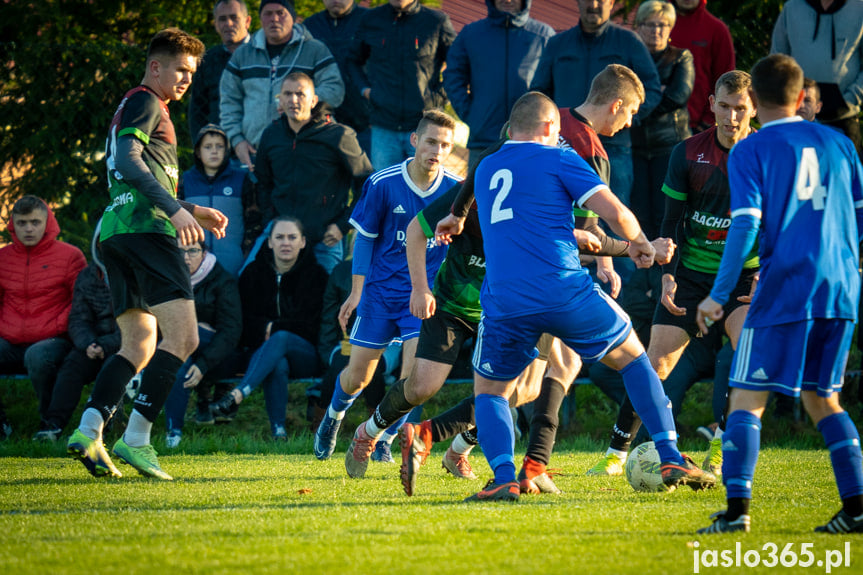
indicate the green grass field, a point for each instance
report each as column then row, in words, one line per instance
column 243, row 504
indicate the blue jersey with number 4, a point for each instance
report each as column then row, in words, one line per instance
column 524, row 196
column 803, row 181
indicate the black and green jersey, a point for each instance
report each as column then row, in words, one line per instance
column 459, row 279
column 143, row 115
column 698, row 176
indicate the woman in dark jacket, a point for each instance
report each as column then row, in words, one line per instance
column 282, row 293
column 220, row 324
column 668, row 124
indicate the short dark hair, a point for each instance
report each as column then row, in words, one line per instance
column 613, row 82
column 243, row 6
column 290, row 219
column 174, row 42
column 435, row 118
column 777, row 80
column 809, row 83
column 27, row 204
column 528, row 112
column 298, row 77
column 734, row 82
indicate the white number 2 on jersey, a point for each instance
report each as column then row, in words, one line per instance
column 503, row 179
column 808, row 184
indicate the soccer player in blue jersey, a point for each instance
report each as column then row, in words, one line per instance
column 535, row 284
column 801, row 185
column 381, row 284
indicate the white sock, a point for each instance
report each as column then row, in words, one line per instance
column 137, row 430
column 460, row 446
column 620, row 454
column 388, row 437
column 338, row 415
column 372, row 429
column 92, row 423
column 718, row 433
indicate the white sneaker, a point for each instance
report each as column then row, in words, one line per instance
column 172, row 440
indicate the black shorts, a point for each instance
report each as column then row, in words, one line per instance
column 145, row 270
column 692, row 287
column 442, row 337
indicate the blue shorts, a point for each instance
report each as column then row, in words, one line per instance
column 378, row 333
column 505, row 346
column 806, row 355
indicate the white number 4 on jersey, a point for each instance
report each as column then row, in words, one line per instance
column 808, row 182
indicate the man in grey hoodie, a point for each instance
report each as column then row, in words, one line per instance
column 826, row 39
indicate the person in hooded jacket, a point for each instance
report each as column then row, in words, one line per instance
column 282, row 296
column 220, row 325
column 95, row 337
column 216, row 183
column 36, row 284
column 307, row 165
column 490, row 65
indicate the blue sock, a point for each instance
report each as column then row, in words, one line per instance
column 341, row 400
column 740, row 444
column 653, row 407
column 496, row 436
column 843, row 441
column 391, row 432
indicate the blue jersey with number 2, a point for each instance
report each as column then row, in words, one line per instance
column 803, row 181
column 524, row 195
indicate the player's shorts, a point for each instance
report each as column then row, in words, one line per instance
column 145, row 270
column 442, row 337
column 378, row 333
column 692, row 287
column 809, row 355
column 592, row 328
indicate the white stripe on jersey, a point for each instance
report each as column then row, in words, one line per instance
column 360, row 229
column 386, row 173
column 586, row 196
column 746, row 212
column 744, row 348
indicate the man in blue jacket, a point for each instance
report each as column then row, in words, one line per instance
column 573, row 58
column 490, row 65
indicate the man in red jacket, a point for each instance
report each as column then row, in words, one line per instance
column 36, row 284
column 709, row 40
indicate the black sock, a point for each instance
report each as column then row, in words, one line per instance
column 853, row 505
column 156, row 382
column 453, row 421
column 737, row 506
column 627, row 425
column 470, row 436
column 543, row 424
column 111, row 385
column 393, row 406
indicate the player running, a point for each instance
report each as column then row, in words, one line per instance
column 799, row 187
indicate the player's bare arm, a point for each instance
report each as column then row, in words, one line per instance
column 422, row 304
column 352, row 302
column 624, row 224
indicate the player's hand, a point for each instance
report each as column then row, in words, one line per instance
column 332, row 236
column 347, row 309
column 664, row 250
column 587, row 242
column 212, row 220
column 642, row 253
column 748, row 298
column 669, row 290
column 244, row 151
column 707, row 313
column 606, row 274
column 188, row 229
column 193, row 377
column 423, row 303
column 447, row 228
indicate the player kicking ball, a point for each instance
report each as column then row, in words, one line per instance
column 535, row 284
column 801, row 185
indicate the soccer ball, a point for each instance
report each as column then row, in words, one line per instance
column 643, row 468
